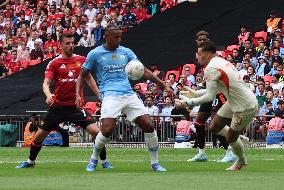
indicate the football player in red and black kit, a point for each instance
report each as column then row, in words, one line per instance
column 205, row 111
column 64, row 71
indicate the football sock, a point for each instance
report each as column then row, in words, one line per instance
column 35, row 147
column 99, row 145
column 151, row 140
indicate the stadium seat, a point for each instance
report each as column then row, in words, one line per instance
column 268, row 78
column 192, row 67
column 177, row 73
column 261, row 34
column 143, row 87
column 231, row 47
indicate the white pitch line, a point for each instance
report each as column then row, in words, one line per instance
column 124, row 161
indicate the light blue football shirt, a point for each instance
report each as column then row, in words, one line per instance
column 108, row 67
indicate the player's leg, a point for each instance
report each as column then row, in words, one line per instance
column 84, row 120
column 240, row 121
column 51, row 119
column 229, row 156
column 151, row 140
column 199, row 124
column 136, row 112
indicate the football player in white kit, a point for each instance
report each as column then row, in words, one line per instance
column 241, row 105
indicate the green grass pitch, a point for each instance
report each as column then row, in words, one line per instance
column 64, row 169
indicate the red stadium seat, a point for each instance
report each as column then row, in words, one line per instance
column 261, row 34
column 143, row 87
column 231, row 47
column 173, row 71
column 192, row 67
column 267, row 78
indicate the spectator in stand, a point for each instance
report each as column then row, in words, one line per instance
column 167, row 4
column 270, row 97
column 137, row 90
column 179, row 110
column 273, row 70
column 245, row 65
column 273, row 22
column 276, row 84
column 189, row 77
column 260, row 48
column 153, row 8
column 152, row 109
column 251, row 74
column 15, row 63
column 244, row 49
column 91, row 12
column 166, row 120
column 50, row 42
column 280, row 110
column 129, row 19
column 244, row 35
column 37, row 53
column 85, row 41
column 266, row 55
column 172, row 78
column 263, row 67
column 98, row 33
column 140, row 12
column 49, row 53
column 183, row 81
column 261, row 96
column 237, row 58
column 246, row 79
column 276, row 54
column 3, row 70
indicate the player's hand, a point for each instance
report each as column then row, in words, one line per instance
column 49, row 99
column 78, row 102
column 188, row 101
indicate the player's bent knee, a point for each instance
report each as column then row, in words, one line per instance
column 93, row 129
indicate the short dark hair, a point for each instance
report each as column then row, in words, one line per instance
column 202, row 33
column 208, row 46
column 112, row 27
column 246, row 77
column 65, row 35
column 172, row 74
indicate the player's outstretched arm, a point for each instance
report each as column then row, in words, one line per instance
column 79, row 86
column 92, row 84
column 148, row 75
column 46, row 90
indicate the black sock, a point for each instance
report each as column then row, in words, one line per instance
column 34, row 150
column 103, row 153
column 223, row 141
column 200, row 131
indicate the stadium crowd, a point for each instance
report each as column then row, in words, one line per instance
column 29, row 32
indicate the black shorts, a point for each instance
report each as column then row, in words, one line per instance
column 213, row 106
column 58, row 114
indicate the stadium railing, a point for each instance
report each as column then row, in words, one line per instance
column 127, row 132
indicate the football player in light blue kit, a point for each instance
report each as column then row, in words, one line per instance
column 108, row 62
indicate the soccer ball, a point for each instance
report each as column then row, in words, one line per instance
column 134, row 69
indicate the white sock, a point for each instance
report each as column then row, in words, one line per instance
column 151, row 140
column 201, row 151
column 100, row 142
column 238, row 148
column 31, row 161
column 229, row 151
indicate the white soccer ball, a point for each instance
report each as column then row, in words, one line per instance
column 134, row 69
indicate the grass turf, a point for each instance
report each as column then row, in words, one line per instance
column 64, row 168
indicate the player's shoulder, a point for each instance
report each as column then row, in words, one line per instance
column 125, row 49
column 79, row 57
column 97, row 51
column 55, row 60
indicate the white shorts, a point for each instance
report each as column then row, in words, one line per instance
column 114, row 106
column 240, row 120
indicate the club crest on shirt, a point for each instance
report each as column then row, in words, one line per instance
column 113, row 57
column 71, row 73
